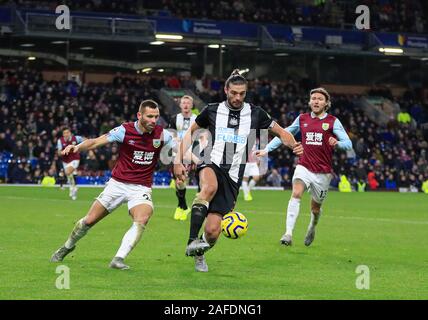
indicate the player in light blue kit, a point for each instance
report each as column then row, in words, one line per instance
column 321, row 133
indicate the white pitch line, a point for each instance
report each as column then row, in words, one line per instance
column 422, row 222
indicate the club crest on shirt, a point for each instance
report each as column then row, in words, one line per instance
column 156, row 143
column 325, row 126
column 233, row 121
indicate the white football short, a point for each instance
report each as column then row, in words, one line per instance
column 74, row 164
column 316, row 183
column 251, row 170
column 115, row 193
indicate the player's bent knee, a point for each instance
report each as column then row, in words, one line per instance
column 141, row 213
column 95, row 214
column 209, row 190
column 212, row 231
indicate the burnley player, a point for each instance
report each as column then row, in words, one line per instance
column 71, row 161
column 321, row 134
column 141, row 143
column 181, row 122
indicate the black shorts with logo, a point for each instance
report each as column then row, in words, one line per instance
column 227, row 191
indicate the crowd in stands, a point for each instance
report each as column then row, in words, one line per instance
column 386, row 15
column 33, row 112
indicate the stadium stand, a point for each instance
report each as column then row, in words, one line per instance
column 34, row 110
column 387, row 15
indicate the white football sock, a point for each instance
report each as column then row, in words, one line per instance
column 252, row 184
column 80, row 229
column 130, row 239
column 292, row 214
column 71, row 183
column 245, row 188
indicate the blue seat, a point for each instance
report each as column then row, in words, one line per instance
column 83, row 180
column 34, row 162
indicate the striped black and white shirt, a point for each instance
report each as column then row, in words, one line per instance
column 233, row 134
column 181, row 124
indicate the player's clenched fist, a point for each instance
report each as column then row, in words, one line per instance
column 298, row 148
column 260, row 153
column 332, row 141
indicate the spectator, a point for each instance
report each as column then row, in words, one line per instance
column 48, row 179
column 390, row 183
column 112, row 161
column 344, row 184
column 5, row 144
column 361, row 186
column 403, row 183
column 19, row 173
column 274, row 179
column 371, row 179
column 424, row 187
column 20, row 151
column 404, row 117
column 91, row 162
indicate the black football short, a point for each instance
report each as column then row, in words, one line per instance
column 227, row 191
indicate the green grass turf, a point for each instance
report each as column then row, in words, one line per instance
column 385, row 231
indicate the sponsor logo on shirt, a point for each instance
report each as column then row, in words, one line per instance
column 143, row 157
column 131, row 142
column 314, row 138
column 228, row 135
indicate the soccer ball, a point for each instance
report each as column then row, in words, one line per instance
column 234, row 225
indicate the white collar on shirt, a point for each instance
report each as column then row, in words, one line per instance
column 226, row 103
column 314, row 116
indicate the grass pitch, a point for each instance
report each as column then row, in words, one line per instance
column 387, row 232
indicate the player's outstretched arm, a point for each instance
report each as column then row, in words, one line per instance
column 276, row 142
column 287, row 139
column 88, row 144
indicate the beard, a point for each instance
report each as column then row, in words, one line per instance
column 235, row 105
